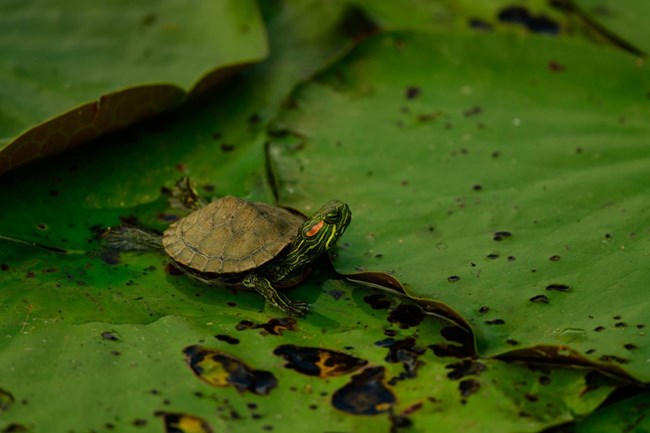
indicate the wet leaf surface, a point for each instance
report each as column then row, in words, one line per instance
column 551, row 185
column 85, row 327
column 145, row 370
column 74, row 71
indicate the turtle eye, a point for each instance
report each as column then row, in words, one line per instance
column 333, row 217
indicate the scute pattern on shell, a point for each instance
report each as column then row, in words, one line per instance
column 230, row 235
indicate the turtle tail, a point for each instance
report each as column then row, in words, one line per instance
column 132, row 239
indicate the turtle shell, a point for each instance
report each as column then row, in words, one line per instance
column 231, row 235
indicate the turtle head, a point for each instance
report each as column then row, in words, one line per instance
column 316, row 235
column 321, row 231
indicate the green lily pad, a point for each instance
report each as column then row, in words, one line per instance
column 628, row 415
column 624, row 22
column 136, row 376
column 517, row 196
column 72, row 71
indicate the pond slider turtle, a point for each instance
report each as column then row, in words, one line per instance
column 235, row 242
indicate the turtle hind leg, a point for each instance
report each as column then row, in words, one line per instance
column 263, row 287
column 132, row 239
column 184, row 195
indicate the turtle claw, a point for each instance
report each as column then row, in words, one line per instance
column 297, row 308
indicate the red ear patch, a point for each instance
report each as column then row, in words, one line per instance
column 315, row 228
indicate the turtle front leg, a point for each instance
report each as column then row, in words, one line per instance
column 263, row 287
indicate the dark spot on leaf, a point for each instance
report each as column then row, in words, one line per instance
column 225, row 147
column 554, row 258
column 406, row 315
column 15, row 428
column 483, row 309
column 336, row 294
column 534, row 23
column 554, row 66
column 613, row 358
column 499, row 236
column 477, row 187
column 465, row 368
column 599, row 328
column 620, row 325
column 458, row 335
column 314, row 361
column 640, row 326
column 492, row 256
column 357, row 24
column 590, row 351
column 365, row 394
column 254, row 118
column 514, row 14
column 453, row 278
column 608, row 236
column 377, row 301
column 531, row 397
column 468, row 387
column 473, row 111
column 130, row 220
column 182, row 423
column 6, row 400
column 511, row 341
column 231, row 303
column 558, row 287
column 412, row 92
column 227, row 339
column 110, row 335
column 544, row 380
column 220, row 369
column 495, row 322
column 245, row 324
column 539, row 299
column 406, row 352
column 273, row 326
column 479, row 24
column 148, row 19
column 398, row 422
column 139, row 422
column 617, row 317
column 630, row 346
